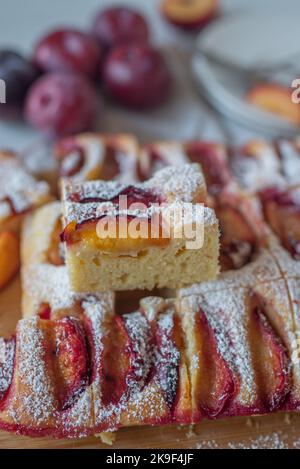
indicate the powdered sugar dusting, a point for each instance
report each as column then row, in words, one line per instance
column 290, row 158
column 78, row 420
column 7, row 352
column 274, row 440
column 226, row 314
column 173, row 184
column 259, row 168
column 94, row 153
column 180, row 183
column 19, row 187
column 46, row 283
column 167, row 357
column 156, row 156
column 98, row 311
column 139, row 332
column 35, row 388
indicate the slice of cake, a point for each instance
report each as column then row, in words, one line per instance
column 153, row 234
column 19, row 194
column 203, row 357
column 213, row 158
column 45, row 284
column 91, row 156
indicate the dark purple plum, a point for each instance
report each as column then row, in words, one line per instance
column 119, row 25
column 137, row 76
column 18, row 74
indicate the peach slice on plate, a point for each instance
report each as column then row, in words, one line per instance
column 9, row 257
column 189, row 14
column 276, row 99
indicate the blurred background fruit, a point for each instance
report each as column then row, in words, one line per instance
column 137, row 76
column 119, row 25
column 68, row 50
column 276, row 99
column 62, row 103
column 189, row 14
column 18, row 74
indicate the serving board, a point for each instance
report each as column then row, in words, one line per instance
column 281, row 430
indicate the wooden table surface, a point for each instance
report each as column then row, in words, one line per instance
column 281, row 430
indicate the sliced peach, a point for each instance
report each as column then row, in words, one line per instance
column 71, row 361
column 270, row 361
column 9, row 257
column 189, row 14
column 237, row 238
column 213, row 380
column 7, row 354
column 275, row 99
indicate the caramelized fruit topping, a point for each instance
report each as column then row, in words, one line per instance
column 115, row 362
column 71, row 362
column 282, row 210
column 214, row 385
column 214, row 165
column 238, row 240
column 269, row 360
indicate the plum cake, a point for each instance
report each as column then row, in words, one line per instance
column 220, row 347
column 91, row 156
column 46, row 290
column 153, row 234
column 168, row 362
column 20, row 193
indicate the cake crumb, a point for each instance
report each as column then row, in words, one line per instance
column 287, row 419
column 191, row 431
column 108, row 438
column 249, row 423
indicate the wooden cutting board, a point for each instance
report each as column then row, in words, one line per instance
column 281, row 430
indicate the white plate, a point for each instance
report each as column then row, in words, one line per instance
column 264, row 35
